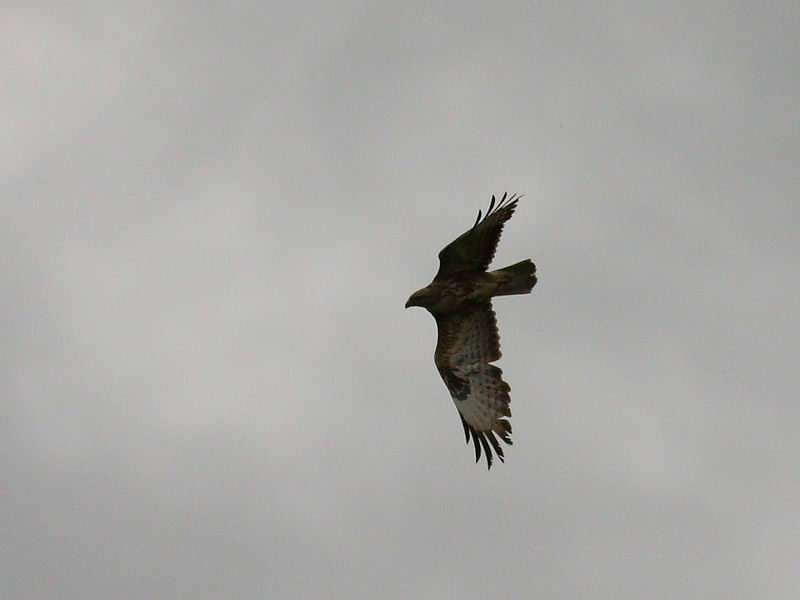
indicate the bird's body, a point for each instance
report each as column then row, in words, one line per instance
column 463, row 290
column 459, row 298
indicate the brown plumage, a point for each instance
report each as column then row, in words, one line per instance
column 459, row 298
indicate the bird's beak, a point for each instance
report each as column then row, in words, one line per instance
column 415, row 299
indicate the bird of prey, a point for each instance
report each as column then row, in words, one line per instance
column 459, row 298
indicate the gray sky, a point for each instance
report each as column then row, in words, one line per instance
column 212, row 217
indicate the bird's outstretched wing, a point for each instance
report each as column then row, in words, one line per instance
column 474, row 249
column 468, row 342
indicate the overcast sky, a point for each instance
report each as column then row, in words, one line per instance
column 213, row 213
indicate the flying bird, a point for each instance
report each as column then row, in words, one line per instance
column 460, row 299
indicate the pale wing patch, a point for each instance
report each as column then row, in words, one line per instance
column 487, row 400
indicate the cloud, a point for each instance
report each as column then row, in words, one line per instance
column 214, row 215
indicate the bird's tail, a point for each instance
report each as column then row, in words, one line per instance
column 516, row 279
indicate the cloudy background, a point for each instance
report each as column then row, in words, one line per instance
column 213, row 213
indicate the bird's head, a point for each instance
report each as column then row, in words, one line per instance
column 419, row 298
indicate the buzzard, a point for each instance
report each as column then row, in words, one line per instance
column 460, row 299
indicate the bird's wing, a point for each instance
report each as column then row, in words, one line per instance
column 474, row 249
column 468, row 342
